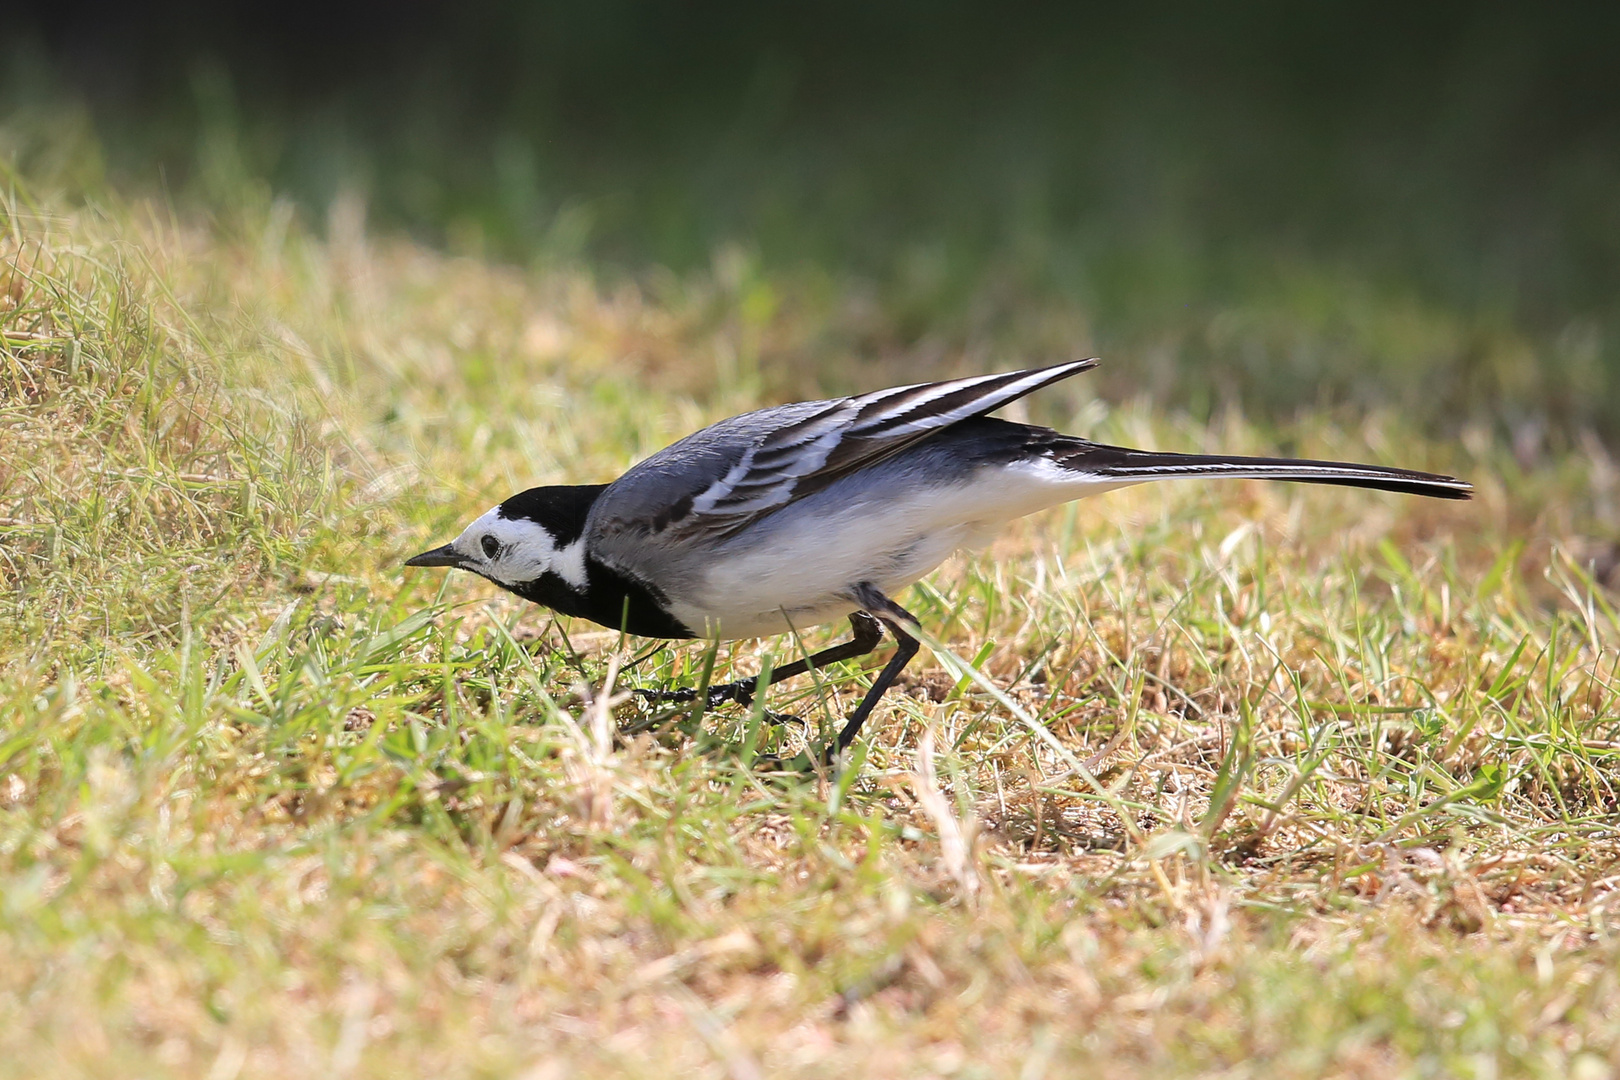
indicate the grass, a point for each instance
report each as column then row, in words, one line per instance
column 1237, row 780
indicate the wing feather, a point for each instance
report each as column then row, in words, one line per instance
column 788, row 462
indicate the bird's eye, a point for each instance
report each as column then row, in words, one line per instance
column 492, row 547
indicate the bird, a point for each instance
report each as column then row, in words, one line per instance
column 801, row 514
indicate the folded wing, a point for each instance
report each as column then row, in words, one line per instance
column 728, row 475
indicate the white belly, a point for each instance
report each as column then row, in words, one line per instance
column 796, row 569
column 797, row 584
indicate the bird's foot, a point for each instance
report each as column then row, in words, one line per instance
column 800, row 764
column 741, row 691
column 804, row 763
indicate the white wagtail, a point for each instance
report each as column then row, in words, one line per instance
column 796, row 515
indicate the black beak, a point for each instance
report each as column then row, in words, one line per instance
column 439, row 556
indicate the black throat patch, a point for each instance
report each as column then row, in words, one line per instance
column 610, row 599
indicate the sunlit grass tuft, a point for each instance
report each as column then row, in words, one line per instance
column 1275, row 781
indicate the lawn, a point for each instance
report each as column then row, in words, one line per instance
column 1235, row 780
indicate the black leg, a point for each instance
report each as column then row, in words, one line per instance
column 894, row 617
column 868, row 632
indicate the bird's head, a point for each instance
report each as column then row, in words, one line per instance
column 525, row 538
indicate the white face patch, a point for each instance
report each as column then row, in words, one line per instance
column 513, row 552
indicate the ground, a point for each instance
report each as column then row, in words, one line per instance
column 1234, row 779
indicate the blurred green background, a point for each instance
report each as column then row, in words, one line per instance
column 1271, row 205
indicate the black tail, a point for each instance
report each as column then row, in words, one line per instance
column 1121, row 463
